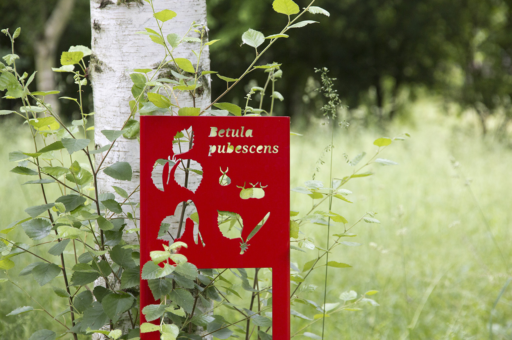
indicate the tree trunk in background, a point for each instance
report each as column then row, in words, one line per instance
column 117, row 50
column 46, row 49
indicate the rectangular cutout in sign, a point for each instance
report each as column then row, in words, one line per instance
column 220, row 185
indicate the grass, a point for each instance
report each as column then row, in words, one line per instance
column 432, row 258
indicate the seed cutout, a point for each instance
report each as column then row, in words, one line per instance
column 224, row 180
column 231, row 225
column 172, row 229
column 254, row 192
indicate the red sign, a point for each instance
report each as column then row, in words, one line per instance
column 238, row 171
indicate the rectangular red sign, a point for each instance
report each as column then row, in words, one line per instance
column 221, row 185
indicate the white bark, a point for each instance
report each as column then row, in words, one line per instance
column 46, row 49
column 117, row 50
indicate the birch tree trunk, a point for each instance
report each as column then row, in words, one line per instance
column 116, row 51
column 46, row 49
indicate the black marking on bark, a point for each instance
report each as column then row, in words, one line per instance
column 95, row 64
column 120, row 2
column 96, row 26
column 105, row 3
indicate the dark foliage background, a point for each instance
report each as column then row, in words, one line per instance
column 385, row 53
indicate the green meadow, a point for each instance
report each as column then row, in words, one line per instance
column 440, row 257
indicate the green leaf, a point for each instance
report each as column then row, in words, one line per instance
column 55, row 171
column 120, row 191
column 170, row 332
column 277, row 36
column 294, row 229
column 209, row 43
column 82, row 301
column 277, row 95
column 71, row 202
column 6, row 264
column 159, row 287
column 38, row 209
column 45, row 272
column 5, row 112
column 43, row 334
column 9, row 82
column 338, row 264
column 366, row 174
column 159, row 256
column 287, row 7
column 232, row 108
column 371, row 292
column 71, row 58
column 120, row 170
column 59, row 248
column 308, row 265
column 65, row 68
column 112, row 135
column 149, row 327
column 113, row 206
column 312, row 335
column 130, row 278
column 153, row 271
column 185, row 65
column 303, row 23
column 104, row 224
column 44, row 93
column 261, row 321
column 94, row 317
column 20, row 310
column 52, row 147
column 153, row 312
column 37, row 229
column 371, row 220
column 60, row 292
column 41, row 181
column 80, row 278
column 173, row 39
column 189, row 111
column 382, row 142
column 157, row 38
column 28, row 269
column 116, row 304
column 385, row 161
column 80, row 48
column 165, row 15
column 227, row 79
column 187, row 270
column 138, row 79
column 73, row 145
column 253, row 38
column 159, row 100
column 183, row 298
column 100, row 150
column 21, row 170
column 318, row 10
column 122, row 257
column 131, row 129
column 338, row 218
column 348, row 296
column 16, row 33
column 10, row 58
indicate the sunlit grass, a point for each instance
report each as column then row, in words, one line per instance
column 432, row 259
